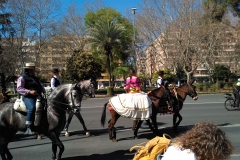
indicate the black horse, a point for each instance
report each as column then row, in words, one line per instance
column 161, row 97
column 63, row 98
column 86, row 85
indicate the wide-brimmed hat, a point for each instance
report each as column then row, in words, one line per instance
column 30, row 66
column 160, row 72
column 55, row 70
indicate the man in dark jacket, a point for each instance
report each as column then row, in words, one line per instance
column 29, row 86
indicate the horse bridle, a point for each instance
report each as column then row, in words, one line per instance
column 192, row 90
column 71, row 106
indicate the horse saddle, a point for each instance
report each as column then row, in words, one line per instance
column 20, row 106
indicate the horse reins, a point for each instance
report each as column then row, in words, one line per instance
column 72, row 106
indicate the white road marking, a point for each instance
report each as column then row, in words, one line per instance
column 184, row 103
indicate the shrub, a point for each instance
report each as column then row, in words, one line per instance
column 213, row 87
column 199, row 86
column 206, row 86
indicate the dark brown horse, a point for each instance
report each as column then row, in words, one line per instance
column 161, row 97
column 179, row 95
column 63, row 98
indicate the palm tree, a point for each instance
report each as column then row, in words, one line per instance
column 104, row 36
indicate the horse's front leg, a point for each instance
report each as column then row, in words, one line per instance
column 134, row 124
column 154, row 122
column 111, row 123
column 176, row 124
column 70, row 116
column 2, row 152
column 139, row 123
column 79, row 116
column 150, row 125
column 56, row 142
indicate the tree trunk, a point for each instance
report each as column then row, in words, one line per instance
column 110, row 88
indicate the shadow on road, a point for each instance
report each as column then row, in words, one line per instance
column 116, row 155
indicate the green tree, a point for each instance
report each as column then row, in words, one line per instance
column 82, row 66
column 221, row 72
column 167, row 76
column 216, row 9
column 110, row 35
column 121, row 71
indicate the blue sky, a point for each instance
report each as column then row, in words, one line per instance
column 119, row 5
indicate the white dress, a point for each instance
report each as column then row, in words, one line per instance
column 175, row 153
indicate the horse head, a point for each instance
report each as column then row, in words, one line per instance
column 88, row 86
column 66, row 97
column 191, row 90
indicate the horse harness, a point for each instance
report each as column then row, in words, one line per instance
column 162, row 109
column 176, row 94
column 66, row 110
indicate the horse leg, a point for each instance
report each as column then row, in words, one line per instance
column 134, row 124
column 139, row 123
column 150, row 125
column 4, row 140
column 2, row 152
column 56, row 142
column 111, row 129
column 7, row 152
column 154, row 122
column 67, row 124
column 176, row 124
column 79, row 116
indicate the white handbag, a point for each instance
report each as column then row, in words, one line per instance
column 19, row 105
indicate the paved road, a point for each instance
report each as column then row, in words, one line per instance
column 98, row 146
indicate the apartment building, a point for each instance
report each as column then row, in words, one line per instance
column 156, row 57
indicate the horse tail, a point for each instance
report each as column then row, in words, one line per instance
column 103, row 118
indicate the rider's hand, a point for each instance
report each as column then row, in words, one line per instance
column 33, row 92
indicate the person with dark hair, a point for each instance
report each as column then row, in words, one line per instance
column 204, row 141
column 160, row 80
column 29, row 86
column 55, row 79
column 133, row 84
column 236, row 93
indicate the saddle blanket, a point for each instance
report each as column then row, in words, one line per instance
column 137, row 106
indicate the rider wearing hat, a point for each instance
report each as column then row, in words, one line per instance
column 29, row 86
column 236, row 93
column 160, row 80
column 55, row 80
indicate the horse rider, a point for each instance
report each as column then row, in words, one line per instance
column 133, row 83
column 55, row 79
column 29, row 86
column 160, row 80
column 236, row 93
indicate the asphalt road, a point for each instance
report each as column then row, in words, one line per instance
column 98, row 146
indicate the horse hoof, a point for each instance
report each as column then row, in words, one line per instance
column 88, row 134
column 114, row 140
column 66, row 134
column 135, row 137
column 39, row 137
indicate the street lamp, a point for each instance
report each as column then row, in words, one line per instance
column 134, row 38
